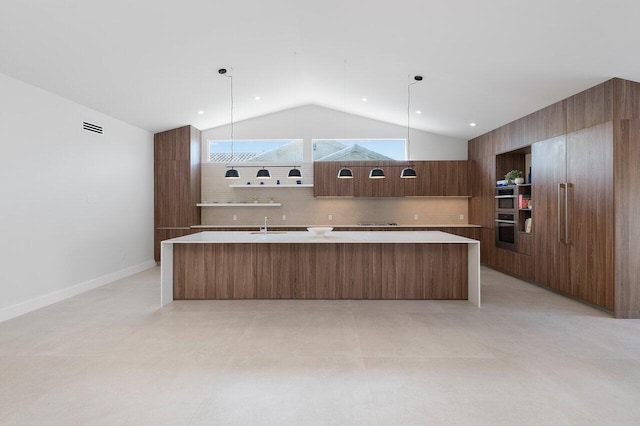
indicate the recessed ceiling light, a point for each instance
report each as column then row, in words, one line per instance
column 257, row 98
column 364, row 99
column 472, row 124
column 418, row 112
column 200, row 112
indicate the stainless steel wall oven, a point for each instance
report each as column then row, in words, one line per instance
column 506, row 221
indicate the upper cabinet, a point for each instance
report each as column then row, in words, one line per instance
column 434, row 178
column 177, row 177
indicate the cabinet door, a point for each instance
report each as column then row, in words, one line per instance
column 449, row 178
column 590, row 213
column 172, row 194
column 326, row 182
column 548, row 160
column 483, row 181
column 177, row 177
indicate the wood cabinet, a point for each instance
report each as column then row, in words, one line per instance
column 627, row 204
column 590, row 227
column 589, row 140
column 435, row 178
column 176, row 181
column 573, row 204
column 326, row 182
column 483, row 184
column 551, row 254
column 301, row 271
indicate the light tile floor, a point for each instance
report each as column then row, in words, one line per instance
column 111, row 357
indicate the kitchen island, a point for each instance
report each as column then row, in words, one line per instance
column 339, row 265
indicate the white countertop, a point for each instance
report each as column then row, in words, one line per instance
column 458, row 225
column 369, row 237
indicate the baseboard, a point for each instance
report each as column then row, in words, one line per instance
column 56, row 296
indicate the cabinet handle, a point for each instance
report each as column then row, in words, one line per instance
column 560, row 186
column 512, row 222
column 567, row 239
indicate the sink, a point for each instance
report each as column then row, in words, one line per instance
column 268, row 232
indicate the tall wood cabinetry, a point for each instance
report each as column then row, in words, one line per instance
column 584, row 190
column 176, row 183
column 574, row 214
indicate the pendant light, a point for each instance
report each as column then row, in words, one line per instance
column 345, row 173
column 263, row 174
column 376, row 173
column 409, row 172
column 231, row 173
column 294, row 174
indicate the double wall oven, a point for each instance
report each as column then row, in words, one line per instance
column 506, row 220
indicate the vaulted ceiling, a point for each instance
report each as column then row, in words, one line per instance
column 154, row 63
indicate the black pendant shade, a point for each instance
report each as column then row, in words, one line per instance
column 294, row 174
column 408, row 173
column 345, row 173
column 376, row 173
column 263, row 174
column 232, row 174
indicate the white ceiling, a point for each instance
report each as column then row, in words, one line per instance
column 153, row 63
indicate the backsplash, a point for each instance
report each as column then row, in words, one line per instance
column 301, row 208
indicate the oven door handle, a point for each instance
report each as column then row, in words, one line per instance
column 512, row 222
column 505, row 196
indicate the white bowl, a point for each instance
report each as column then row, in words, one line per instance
column 320, row 230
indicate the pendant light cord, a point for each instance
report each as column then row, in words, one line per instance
column 231, row 85
column 409, row 118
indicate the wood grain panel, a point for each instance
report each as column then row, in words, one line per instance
column 329, row 271
column 482, row 203
column 526, row 265
column 591, row 224
column 626, row 99
column 440, row 277
column 172, row 194
column 195, row 176
column 590, row 107
column 487, row 246
column 552, row 122
column 627, row 233
column 363, row 281
column 320, row 271
column 409, row 284
column 525, row 243
column 434, row 178
column 177, row 177
column 552, row 256
column 239, row 267
column 283, row 271
column 169, row 146
column 365, row 187
column 326, row 183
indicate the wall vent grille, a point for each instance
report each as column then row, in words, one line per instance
column 92, row 127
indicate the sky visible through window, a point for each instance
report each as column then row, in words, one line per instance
column 246, row 145
column 284, row 150
column 393, row 148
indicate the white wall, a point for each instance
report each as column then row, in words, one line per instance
column 314, row 122
column 76, row 208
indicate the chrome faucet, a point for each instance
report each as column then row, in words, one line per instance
column 265, row 225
